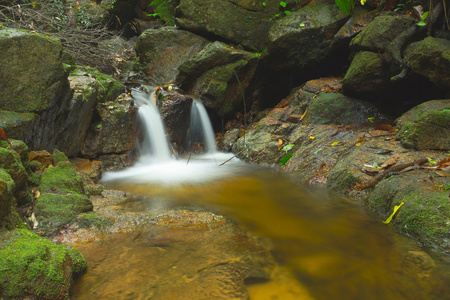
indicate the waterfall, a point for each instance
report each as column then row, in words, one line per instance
column 155, row 143
column 201, row 126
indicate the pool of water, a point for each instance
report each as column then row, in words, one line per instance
column 324, row 247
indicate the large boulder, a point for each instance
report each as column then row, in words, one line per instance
column 242, row 22
column 163, row 50
column 35, row 268
column 430, row 57
column 426, row 126
column 220, row 75
column 11, row 163
column 304, row 38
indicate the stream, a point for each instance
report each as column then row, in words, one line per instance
column 212, row 227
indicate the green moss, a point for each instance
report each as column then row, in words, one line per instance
column 33, row 266
column 79, row 262
column 92, row 219
column 7, row 187
column 61, row 179
column 341, row 182
column 58, row 156
column 54, row 211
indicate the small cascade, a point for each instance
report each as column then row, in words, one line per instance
column 201, row 128
column 155, row 143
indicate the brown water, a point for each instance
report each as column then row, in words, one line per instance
column 325, row 248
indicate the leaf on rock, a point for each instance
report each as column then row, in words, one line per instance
column 385, row 127
column 396, row 208
column 280, row 142
column 390, row 161
column 431, row 161
column 288, row 147
column 285, row 159
column 444, row 164
column 443, row 174
column 304, row 114
column 3, row 135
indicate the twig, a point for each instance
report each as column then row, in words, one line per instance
column 231, row 157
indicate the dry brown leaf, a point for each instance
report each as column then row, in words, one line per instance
column 444, row 164
column 443, row 174
column 390, row 161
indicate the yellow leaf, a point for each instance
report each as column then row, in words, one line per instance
column 334, row 143
column 358, row 144
column 304, row 114
column 280, row 142
column 393, row 213
column 312, row 137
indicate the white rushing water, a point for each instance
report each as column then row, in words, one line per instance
column 157, row 165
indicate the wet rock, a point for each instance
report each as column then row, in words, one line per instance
column 426, row 126
column 303, row 39
column 230, row 139
column 219, row 74
column 163, row 50
column 425, row 214
column 175, row 113
column 241, row 22
column 11, row 163
column 430, row 57
column 7, row 188
column 114, row 131
column 380, row 32
column 33, row 267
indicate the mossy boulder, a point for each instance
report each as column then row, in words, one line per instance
column 11, row 163
column 15, row 123
column 426, row 126
column 430, row 57
column 58, row 156
column 7, row 188
column 242, row 22
column 163, row 50
column 33, row 267
column 114, row 131
column 369, row 73
column 304, row 38
column 62, row 179
column 218, row 74
column 54, row 211
column 425, row 214
column 380, row 32
column 28, row 84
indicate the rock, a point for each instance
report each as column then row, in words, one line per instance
column 357, row 22
column 175, row 113
column 304, row 38
column 380, row 32
column 43, row 157
column 61, row 180
column 241, row 22
column 230, row 139
column 38, row 83
column 114, row 131
column 426, row 126
column 7, row 188
column 90, row 170
column 163, row 50
column 54, row 211
column 430, row 57
column 426, row 210
column 33, row 267
column 58, row 157
column 11, row 163
column 219, row 74
column 369, row 73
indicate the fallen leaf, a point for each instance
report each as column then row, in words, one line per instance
column 288, row 147
column 385, row 127
column 358, row 144
column 444, row 164
column 304, row 114
column 280, row 142
column 334, row 143
column 431, row 161
column 3, row 135
column 371, row 119
column 442, row 173
column 396, row 208
column 285, row 158
column 390, row 161
column 312, row 137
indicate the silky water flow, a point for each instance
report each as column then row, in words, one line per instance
column 296, row 242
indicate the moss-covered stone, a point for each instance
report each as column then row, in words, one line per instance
column 79, row 262
column 14, row 123
column 54, row 211
column 7, row 188
column 430, row 57
column 10, row 161
column 58, row 156
column 89, row 82
column 62, row 179
column 426, row 126
column 22, row 149
column 31, row 266
column 381, row 31
column 92, row 219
